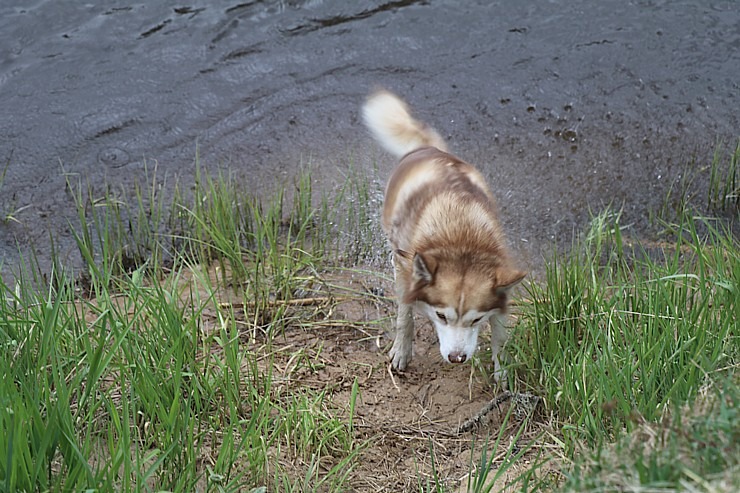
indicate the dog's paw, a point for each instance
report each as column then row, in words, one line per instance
column 500, row 375
column 400, row 354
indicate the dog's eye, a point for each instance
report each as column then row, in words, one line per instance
column 442, row 316
column 475, row 322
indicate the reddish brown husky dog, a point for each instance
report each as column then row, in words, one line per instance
column 449, row 253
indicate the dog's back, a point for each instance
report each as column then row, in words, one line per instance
column 425, row 176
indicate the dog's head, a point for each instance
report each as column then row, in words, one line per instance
column 459, row 294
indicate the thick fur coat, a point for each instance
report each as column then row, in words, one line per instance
column 450, row 257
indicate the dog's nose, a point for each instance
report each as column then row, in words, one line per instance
column 457, row 357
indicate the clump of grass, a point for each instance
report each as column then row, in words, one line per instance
column 86, row 403
column 312, row 434
column 716, row 183
column 118, row 233
column 614, row 337
column 496, row 460
column 132, row 391
column 694, row 448
column 357, row 226
column 136, row 387
column 8, row 210
column 262, row 247
column 724, row 179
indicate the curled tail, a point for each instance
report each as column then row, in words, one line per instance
column 389, row 120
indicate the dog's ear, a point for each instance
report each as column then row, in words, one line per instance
column 403, row 253
column 507, row 278
column 422, row 275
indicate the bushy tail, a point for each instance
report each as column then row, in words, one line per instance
column 389, row 120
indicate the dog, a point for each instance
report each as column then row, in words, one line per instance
column 449, row 254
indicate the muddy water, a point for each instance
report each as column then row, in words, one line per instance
column 566, row 104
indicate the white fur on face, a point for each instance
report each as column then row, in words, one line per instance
column 455, row 334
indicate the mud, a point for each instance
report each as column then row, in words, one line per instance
column 567, row 106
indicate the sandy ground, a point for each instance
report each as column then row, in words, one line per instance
column 402, row 416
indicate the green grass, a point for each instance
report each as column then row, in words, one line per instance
column 692, row 449
column 135, row 387
column 497, row 459
column 615, row 336
column 170, row 373
column 8, row 209
column 724, row 179
column 619, row 336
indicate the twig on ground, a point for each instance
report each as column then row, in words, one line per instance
column 524, row 405
column 475, row 421
column 390, row 372
column 292, row 302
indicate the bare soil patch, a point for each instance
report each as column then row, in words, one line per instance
column 408, row 421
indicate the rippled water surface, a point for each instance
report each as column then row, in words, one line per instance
column 565, row 104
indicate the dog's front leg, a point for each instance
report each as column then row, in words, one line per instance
column 498, row 339
column 400, row 353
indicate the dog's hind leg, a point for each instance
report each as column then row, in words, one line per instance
column 498, row 339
